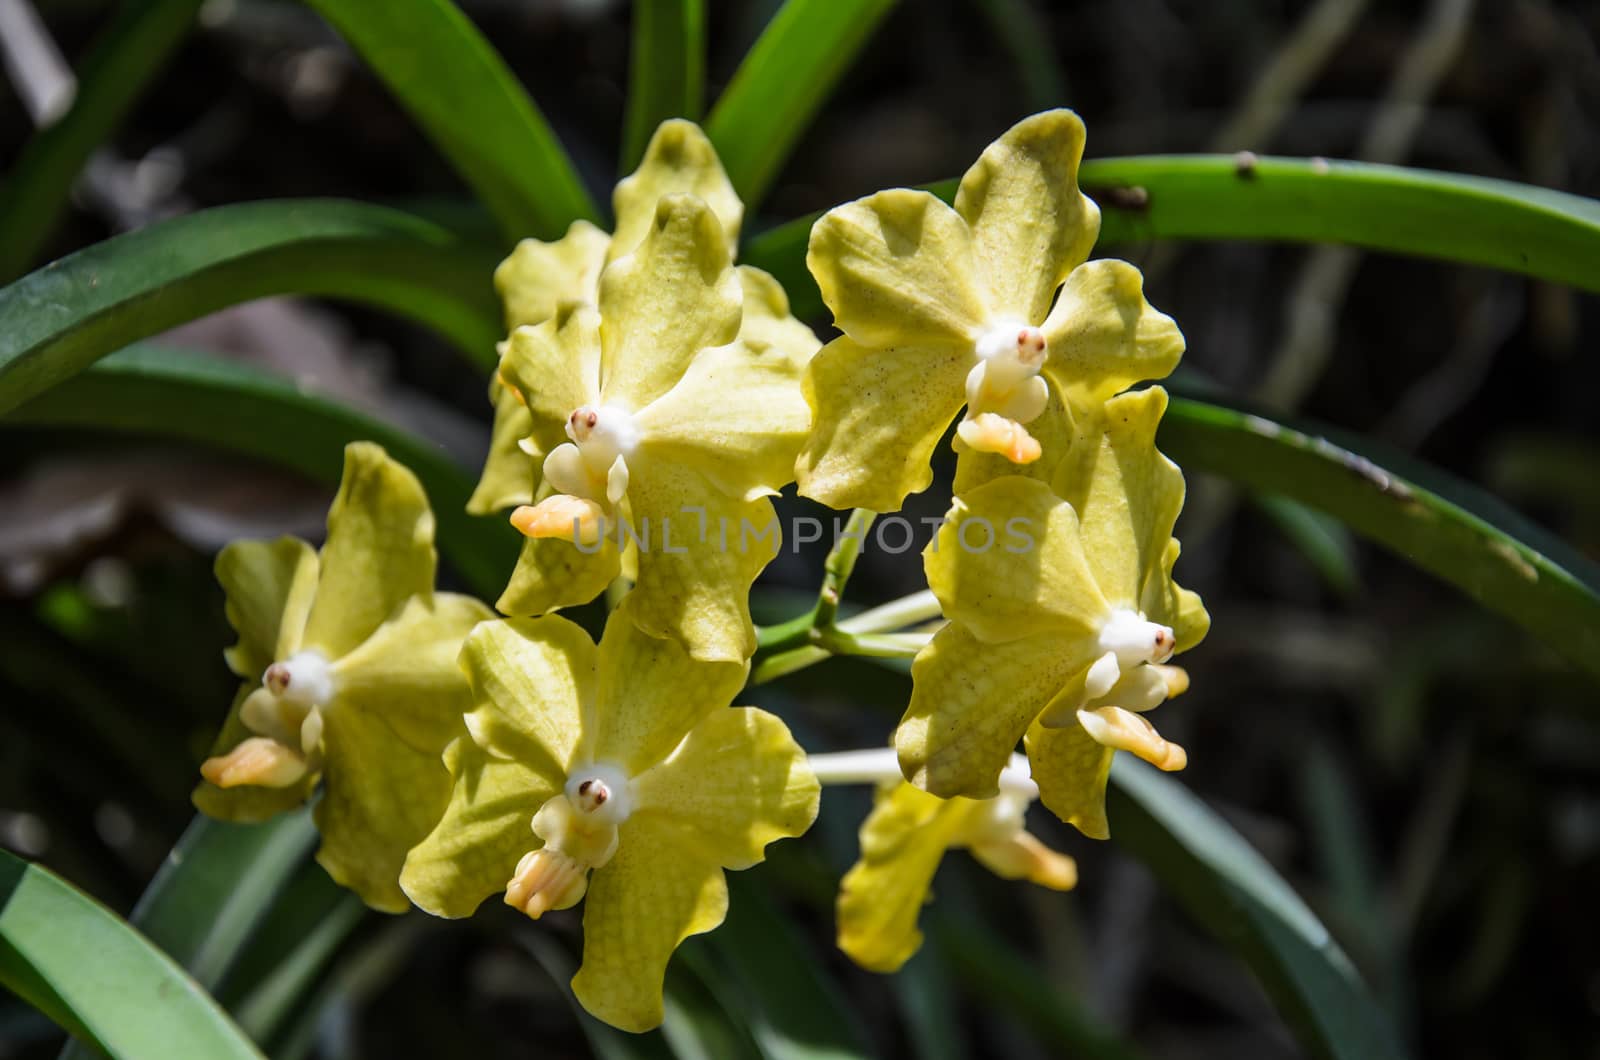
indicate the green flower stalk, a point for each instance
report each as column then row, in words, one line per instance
column 617, row 772
column 348, row 663
column 988, row 305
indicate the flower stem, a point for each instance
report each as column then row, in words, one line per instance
column 841, row 562
column 878, row 765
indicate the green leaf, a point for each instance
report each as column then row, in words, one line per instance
column 756, row 965
column 85, row 968
column 460, row 91
column 1472, row 220
column 124, row 58
column 667, row 75
column 228, row 406
column 1433, row 521
column 58, row 320
column 778, row 87
column 1424, row 213
column 1227, row 887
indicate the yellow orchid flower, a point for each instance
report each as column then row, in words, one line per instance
column 539, row 277
column 662, row 435
column 618, row 772
column 1063, row 612
column 944, row 307
column 348, row 659
column 905, row 838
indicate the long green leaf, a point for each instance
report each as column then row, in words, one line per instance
column 82, row 966
column 667, row 75
column 1473, row 220
column 128, row 53
column 757, row 965
column 778, row 87
column 1231, row 890
column 1444, row 526
column 213, row 890
column 228, row 406
column 58, row 320
column 460, row 91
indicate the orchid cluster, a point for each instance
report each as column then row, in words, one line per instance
column 652, row 396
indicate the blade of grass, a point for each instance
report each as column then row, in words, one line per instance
column 667, row 73
column 1435, row 522
column 1234, row 894
column 1423, row 213
column 228, row 406
column 789, row 71
column 58, row 320
column 86, row 969
column 123, row 60
column 461, row 92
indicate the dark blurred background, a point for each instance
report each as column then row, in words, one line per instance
column 1423, row 772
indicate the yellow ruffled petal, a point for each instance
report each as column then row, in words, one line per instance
column 552, row 573
column 485, row 831
column 651, row 693
column 878, row 414
column 674, row 296
column 380, row 797
column 1009, row 562
column 555, row 368
column 737, row 782
column 662, row 886
column 1022, row 857
column 678, row 160
column 899, row 269
column 1071, row 770
column 1030, row 223
column 539, row 276
column 1126, row 493
column 379, row 551
column 248, row 802
column 533, row 684
column 700, row 551
column 269, row 587
column 508, row 470
column 903, row 841
column 971, row 702
column 1104, row 337
column 767, row 325
column 1164, row 601
column 407, row 673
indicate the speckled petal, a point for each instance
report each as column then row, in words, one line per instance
column 1126, row 493
column 553, row 573
column 704, row 551
column 898, row 269
column 663, row 886
column 1104, row 337
column 555, row 367
column 379, row 551
column 380, row 798
column 1071, row 770
column 971, row 702
column 878, row 415
column 738, row 781
column 539, row 276
column 532, row 682
column 1009, row 562
column 652, row 693
column 1030, row 223
column 662, row 304
column 903, row 841
column 269, row 587
column 474, row 849
column 508, row 470
column 678, row 160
